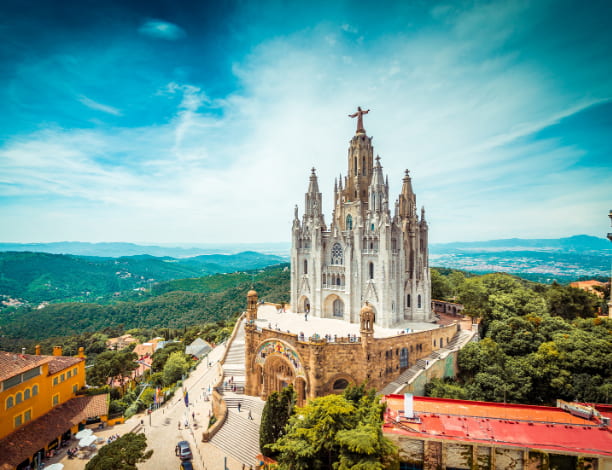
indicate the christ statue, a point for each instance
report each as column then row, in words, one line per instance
column 359, row 115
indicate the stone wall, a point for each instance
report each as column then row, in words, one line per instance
column 321, row 363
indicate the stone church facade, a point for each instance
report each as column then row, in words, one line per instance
column 367, row 267
column 366, row 253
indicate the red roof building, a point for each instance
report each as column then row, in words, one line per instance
column 464, row 435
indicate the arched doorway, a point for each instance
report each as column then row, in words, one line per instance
column 338, row 308
column 277, row 374
column 333, row 306
column 303, row 305
column 277, row 365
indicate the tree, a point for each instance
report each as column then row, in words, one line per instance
column 121, row 454
column 336, row 432
column 276, row 413
column 440, row 286
column 175, row 367
column 570, row 302
column 111, row 364
column 161, row 355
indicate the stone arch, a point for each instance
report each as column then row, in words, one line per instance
column 277, row 365
column 338, row 383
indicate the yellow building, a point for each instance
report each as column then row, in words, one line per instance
column 39, row 406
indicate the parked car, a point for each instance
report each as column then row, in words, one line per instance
column 183, row 451
column 186, row 465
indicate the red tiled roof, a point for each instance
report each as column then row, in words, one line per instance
column 59, row 363
column 535, row 427
column 12, row 364
column 22, row 444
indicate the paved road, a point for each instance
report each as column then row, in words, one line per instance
column 161, row 427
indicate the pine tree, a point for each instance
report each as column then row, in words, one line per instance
column 276, row 413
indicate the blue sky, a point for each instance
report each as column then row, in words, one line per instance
column 196, row 122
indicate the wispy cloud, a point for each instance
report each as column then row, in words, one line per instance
column 464, row 119
column 99, row 106
column 162, row 30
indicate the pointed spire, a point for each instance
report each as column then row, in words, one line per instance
column 377, row 177
column 422, row 213
column 407, row 199
column 313, row 187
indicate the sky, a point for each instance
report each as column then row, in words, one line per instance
column 167, row 122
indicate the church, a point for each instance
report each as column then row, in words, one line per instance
column 366, row 254
column 360, row 290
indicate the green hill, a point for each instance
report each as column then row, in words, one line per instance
column 213, row 298
column 40, row 277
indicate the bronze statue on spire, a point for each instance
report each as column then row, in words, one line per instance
column 359, row 115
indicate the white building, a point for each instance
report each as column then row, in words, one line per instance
column 365, row 254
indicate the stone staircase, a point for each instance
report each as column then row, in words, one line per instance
column 233, row 366
column 460, row 339
column 239, row 437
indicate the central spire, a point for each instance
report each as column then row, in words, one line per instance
column 359, row 115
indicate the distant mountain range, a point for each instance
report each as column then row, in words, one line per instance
column 118, row 249
column 101, row 268
column 574, row 244
column 44, row 277
column 541, row 260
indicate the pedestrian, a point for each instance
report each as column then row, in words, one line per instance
column 250, row 415
column 238, row 407
column 306, row 316
column 193, row 415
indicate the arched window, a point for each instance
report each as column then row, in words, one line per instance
column 408, row 300
column 349, row 222
column 324, row 279
column 337, row 254
column 10, row 402
column 26, row 394
column 434, row 343
column 371, row 270
column 356, row 170
column 18, row 398
column 363, row 165
column 340, row 384
column 305, row 266
column 338, row 281
column 35, row 390
column 419, row 301
column 403, row 359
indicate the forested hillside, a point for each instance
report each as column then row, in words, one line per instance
column 216, row 297
column 539, row 343
column 40, row 277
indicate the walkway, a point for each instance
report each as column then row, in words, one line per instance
column 239, row 435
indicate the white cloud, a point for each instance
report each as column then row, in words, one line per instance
column 232, row 169
column 99, row 106
column 162, row 30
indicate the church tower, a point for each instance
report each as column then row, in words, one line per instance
column 366, row 254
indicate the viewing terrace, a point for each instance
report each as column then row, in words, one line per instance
column 337, row 330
